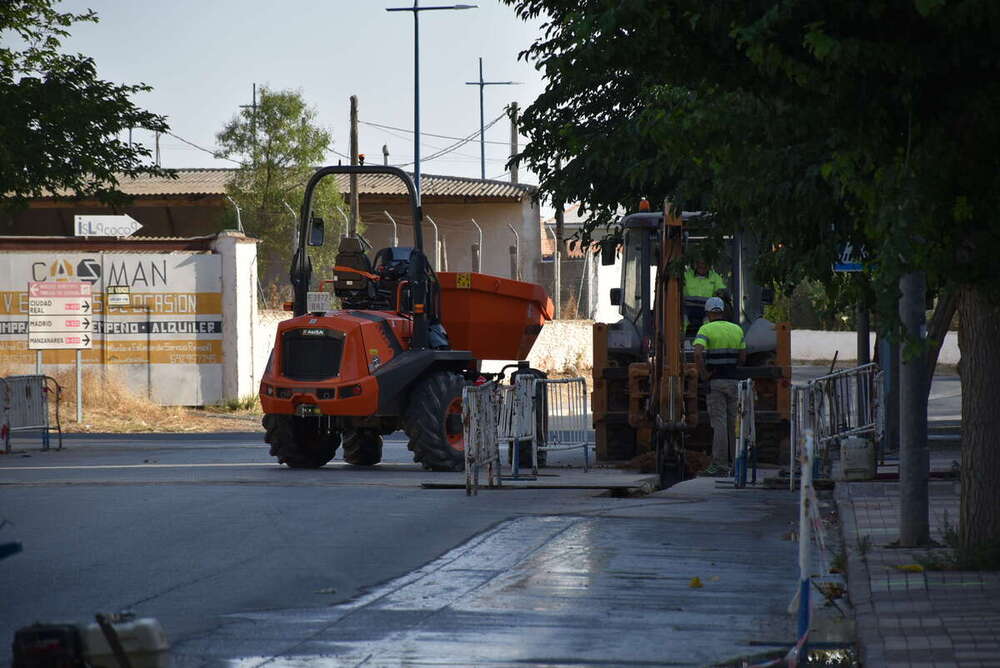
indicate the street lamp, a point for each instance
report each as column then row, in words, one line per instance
column 416, row 9
column 482, row 130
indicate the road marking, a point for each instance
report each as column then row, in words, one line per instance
column 98, row 467
column 103, row 467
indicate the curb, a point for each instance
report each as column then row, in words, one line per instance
column 870, row 643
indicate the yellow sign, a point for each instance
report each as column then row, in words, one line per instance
column 463, row 280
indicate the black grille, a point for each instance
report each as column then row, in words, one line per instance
column 311, row 354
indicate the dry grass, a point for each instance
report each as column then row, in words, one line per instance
column 110, row 406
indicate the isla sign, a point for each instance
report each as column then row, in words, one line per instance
column 106, row 226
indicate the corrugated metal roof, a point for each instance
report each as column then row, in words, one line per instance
column 194, row 182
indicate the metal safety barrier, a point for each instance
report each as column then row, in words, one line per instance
column 846, row 403
column 550, row 414
column 479, row 427
column 518, row 414
column 26, row 407
column 567, row 423
column 746, row 434
column 836, row 406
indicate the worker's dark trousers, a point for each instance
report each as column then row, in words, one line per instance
column 722, row 393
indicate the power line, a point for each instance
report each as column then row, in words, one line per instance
column 214, row 154
column 428, row 134
column 460, row 142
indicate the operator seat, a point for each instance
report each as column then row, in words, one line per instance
column 353, row 281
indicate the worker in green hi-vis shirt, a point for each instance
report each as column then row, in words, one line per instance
column 719, row 348
column 700, row 283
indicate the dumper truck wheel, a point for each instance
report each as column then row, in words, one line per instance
column 300, row 442
column 362, row 447
column 433, row 422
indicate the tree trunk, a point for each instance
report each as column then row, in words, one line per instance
column 937, row 328
column 979, row 341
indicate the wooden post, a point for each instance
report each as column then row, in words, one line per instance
column 513, row 141
column 353, row 221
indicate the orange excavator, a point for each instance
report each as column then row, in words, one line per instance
column 646, row 394
column 396, row 355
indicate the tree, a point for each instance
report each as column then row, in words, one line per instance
column 280, row 147
column 809, row 124
column 60, row 125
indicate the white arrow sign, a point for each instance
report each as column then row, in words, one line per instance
column 106, row 226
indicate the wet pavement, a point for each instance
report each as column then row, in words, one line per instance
column 610, row 587
column 246, row 562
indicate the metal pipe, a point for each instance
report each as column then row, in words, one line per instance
column 437, row 246
column 480, row 268
column 295, row 227
column 395, row 235
column 556, row 273
column 239, row 220
column 517, row 252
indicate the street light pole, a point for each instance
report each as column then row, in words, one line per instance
column 416, row 9
column 482, row 121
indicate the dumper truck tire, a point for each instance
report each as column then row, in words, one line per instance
column 433, row 422
column 300, row 442
column 362, row 447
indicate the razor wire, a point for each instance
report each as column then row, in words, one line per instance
column 479, row 428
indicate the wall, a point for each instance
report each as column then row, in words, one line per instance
column 459, row 234
column 184, row 339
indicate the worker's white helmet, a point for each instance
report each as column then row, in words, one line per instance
column 714, row 304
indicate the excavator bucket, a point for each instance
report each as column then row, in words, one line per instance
column 495, row 318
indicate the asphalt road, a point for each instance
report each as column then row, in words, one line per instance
column 246, row 562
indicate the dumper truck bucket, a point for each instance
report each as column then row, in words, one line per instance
column 495, row 318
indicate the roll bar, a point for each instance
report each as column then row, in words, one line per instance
column 301, row 271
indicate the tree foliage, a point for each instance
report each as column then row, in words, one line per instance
column 60, row 124
column 280, row 146
column 806, row 123
column 810, row 123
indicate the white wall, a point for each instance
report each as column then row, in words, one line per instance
column 239, row 304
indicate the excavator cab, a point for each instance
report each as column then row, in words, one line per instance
column 645, row 382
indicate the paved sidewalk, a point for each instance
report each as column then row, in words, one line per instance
column 932, row 618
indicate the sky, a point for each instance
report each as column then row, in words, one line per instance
column 202, row 58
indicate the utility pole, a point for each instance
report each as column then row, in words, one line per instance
column 914, row 458
column 385, row 154
column 513, row 140
column 557, row 254
column 352, row 228
column 416, row 9
column 482, row 129
column 253, row 119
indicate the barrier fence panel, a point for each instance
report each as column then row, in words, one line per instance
column 28, row 406
column 479, row 425
column 746, row 434
column 567, row 423
column 518, row 413
column 5, row 414
column 845, row 403
column 836, row 406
